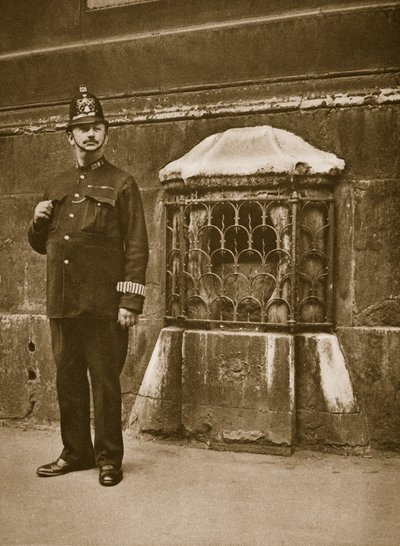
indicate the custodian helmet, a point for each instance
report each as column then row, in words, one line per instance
column 85, row 108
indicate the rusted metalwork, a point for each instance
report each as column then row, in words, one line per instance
column 264, row 262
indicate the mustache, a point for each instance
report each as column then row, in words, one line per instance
column 91, row 140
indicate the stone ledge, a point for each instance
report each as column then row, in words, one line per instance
column 366, row 329
column 134, row 112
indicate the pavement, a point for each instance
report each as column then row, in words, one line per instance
column 172, row 494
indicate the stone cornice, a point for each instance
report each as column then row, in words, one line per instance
column 143, row 110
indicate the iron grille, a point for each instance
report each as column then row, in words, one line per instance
column 250, row 262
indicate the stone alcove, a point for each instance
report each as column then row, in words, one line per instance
column 247, row 359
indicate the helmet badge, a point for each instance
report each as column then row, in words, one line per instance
column 86, row 105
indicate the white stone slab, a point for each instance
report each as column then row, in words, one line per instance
column 248, row 151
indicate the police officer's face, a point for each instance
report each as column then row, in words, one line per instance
column 89, row 137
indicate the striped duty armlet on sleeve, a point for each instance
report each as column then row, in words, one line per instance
column 128, row 287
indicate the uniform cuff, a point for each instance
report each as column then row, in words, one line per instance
column 128, row 287
column 133, row 302
column 39, row 226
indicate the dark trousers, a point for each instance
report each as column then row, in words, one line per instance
column 100, row 346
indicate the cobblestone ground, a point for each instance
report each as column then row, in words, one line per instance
column 175, row 495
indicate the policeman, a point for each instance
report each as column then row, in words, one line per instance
column 91, row 225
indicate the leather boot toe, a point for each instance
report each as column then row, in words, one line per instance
column 60, row 467
column 110, row 475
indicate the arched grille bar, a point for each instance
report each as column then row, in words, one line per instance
column 250, row 262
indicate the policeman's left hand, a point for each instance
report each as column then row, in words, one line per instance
column 126, row 318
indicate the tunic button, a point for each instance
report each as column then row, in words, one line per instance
column 66, row 237
column 71, row 214
column 82, row 177
column 66, row 262
column 99, row 204
column 76, row 195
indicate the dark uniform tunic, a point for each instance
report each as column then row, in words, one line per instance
column 97, row 253
column 95, row 240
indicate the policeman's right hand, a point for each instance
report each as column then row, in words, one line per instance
column 43, row 211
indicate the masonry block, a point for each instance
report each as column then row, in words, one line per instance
column 377, row 250
column 49, row 155
column 142, row 340
column 22, row 271
column 342, row 430
column 373, row 360
column 238, row 389
column 27, row 383
column 344, row 253
column 6, row 166
column 327, row 409
column 157, row 407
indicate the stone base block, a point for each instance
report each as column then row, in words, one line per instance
column 373, row 359
column 27, row 372
column 238, row 389
column 143, row 338
column 157, row 408
column 327, row 409
column 240, row 429
column 336, row 429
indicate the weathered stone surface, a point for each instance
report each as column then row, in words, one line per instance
column 14, row 393
column 344, row 256
column 372, row 356
column 157, row 407
column 238, row 388
column 128, row 400
column 143, row 338
column 22, row 271
column 377, row 253
column 143, row 149
column 27, row 386
column 384, row 313
column 367, row 138
column 154, row 207
column 322, row 378
column 60, row 19
column 239, row 429
column 327, row 410
column 49, row 155
column 46, row 407
column 332, row 429
column 367, row 253
column 34, row 293
column 6, row 166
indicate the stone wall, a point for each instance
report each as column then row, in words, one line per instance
column 170, row 77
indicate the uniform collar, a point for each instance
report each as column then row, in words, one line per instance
column 93, row 166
